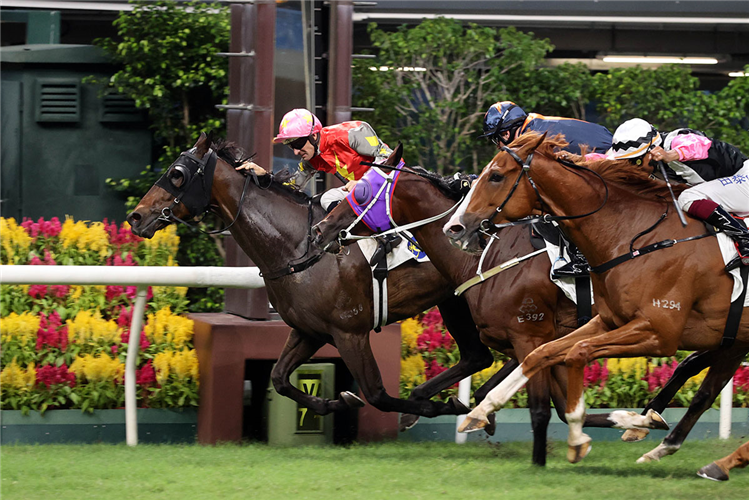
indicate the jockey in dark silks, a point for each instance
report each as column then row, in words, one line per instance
column 505, row 121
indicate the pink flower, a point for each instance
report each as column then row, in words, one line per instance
column 48, row 229
column 432, row 369
column 432, row 318
column 125, row 317
column 36, row 261
column 48, row 260
column 114, row 349
column 144, row 343
column 596, row 373
column 146, row 375
column 741, row 379
column 50, row 375
column 38, row 291
column 60, row 291
column 113, row 292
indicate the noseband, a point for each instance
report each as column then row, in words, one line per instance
column 487, row 226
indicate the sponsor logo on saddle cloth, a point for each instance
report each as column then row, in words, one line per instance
column 373, row 196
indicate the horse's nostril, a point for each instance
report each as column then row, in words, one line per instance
column 455, row 229
column 133, row 218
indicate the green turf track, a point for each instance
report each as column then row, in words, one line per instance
column 384, row 471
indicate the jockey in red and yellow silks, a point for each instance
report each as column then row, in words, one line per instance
column 337, row 149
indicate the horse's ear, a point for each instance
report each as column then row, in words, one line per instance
column 202, row 146
column 396, row 155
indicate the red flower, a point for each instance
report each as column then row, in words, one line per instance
column 50, row 375
column 144, row 343
column 48, row 229
column 432, row 318
column 741, row 379
column 596, row 373
column 60, row 291
column 50, row 334
column 432, row 369
column 38, row 291
column 146, row 375
column 113, row 292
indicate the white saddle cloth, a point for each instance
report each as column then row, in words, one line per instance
column 727, row 249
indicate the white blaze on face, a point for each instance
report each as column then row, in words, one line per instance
column 456, row 218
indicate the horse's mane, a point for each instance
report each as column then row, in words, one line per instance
column 634, row 179
column 234, row 155
column 450, row 186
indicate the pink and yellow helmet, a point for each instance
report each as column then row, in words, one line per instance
column 297, row 123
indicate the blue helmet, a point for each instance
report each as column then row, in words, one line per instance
column 502, row 117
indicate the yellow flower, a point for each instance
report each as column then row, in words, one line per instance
column 629, row 367
column 88, row 326
column 15, row 240
column 161, row 363
column 22, row 328
column 184, row 364
column 76, row 292
column 694, row 382
column 165, row 327
column 166, row 237
column 92, row 238
column 410, row 331
column 412, row 370
column 13, row 376
column 97, row 369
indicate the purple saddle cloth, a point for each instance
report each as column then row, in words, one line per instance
column 377, row 218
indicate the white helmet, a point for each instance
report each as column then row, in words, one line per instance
column 632, row 139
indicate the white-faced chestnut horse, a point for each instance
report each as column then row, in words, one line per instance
column 676, row 298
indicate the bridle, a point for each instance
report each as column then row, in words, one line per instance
column 196, row 199
column 194, row 196
column 487, row 226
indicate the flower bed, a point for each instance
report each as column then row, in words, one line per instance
column 64, row 346
column 427, row 350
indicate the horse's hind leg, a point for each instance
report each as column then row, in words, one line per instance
column 718, row 470
column 717, row 377
column 357, row 354
column 474, row 355
column 689, row 367
column 540, row 409
column 298, row 349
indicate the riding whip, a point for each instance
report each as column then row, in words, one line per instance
column 671, row 190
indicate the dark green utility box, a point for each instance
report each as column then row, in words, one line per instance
column 62, row 138
column 291, row 424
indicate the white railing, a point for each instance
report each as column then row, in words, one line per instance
column 142, row 277
column 225, row 277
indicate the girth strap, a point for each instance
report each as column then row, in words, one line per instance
column 734, row 313
column 584, row 305
column 379, row 265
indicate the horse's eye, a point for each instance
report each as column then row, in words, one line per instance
column 495, row 177
column 176, row 178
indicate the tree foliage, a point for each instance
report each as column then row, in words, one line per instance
column 437, row 113
column 166, row 54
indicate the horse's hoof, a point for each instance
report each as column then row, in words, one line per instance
column 458, row 406
column 576, row 453
column 407, row 421
column 352, row 400
column 471, row 424
column 491, row 427
column 656, row 420
column 713, row 472
column 634, row 435
column 646, row 459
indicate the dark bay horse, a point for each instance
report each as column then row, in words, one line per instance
column 516, row 311
column 677, row 298
column 328, row 302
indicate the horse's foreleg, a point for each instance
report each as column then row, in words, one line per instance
column 298, row 349
column 717, row 377
column 474, row 355
column 544, row 356
column 356, row 352
column 540, row 408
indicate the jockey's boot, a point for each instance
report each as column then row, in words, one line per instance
column 576, row 267
column 733, row 228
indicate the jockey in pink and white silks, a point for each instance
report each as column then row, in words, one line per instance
column 717, row 171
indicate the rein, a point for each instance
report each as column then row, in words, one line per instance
column 345, row 234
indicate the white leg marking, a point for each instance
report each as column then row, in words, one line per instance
column 657, row 453
column 500, row 394
column 575, row 420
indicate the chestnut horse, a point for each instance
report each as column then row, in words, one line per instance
column 324, row 298
column 516, row 311
column 673, row 299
